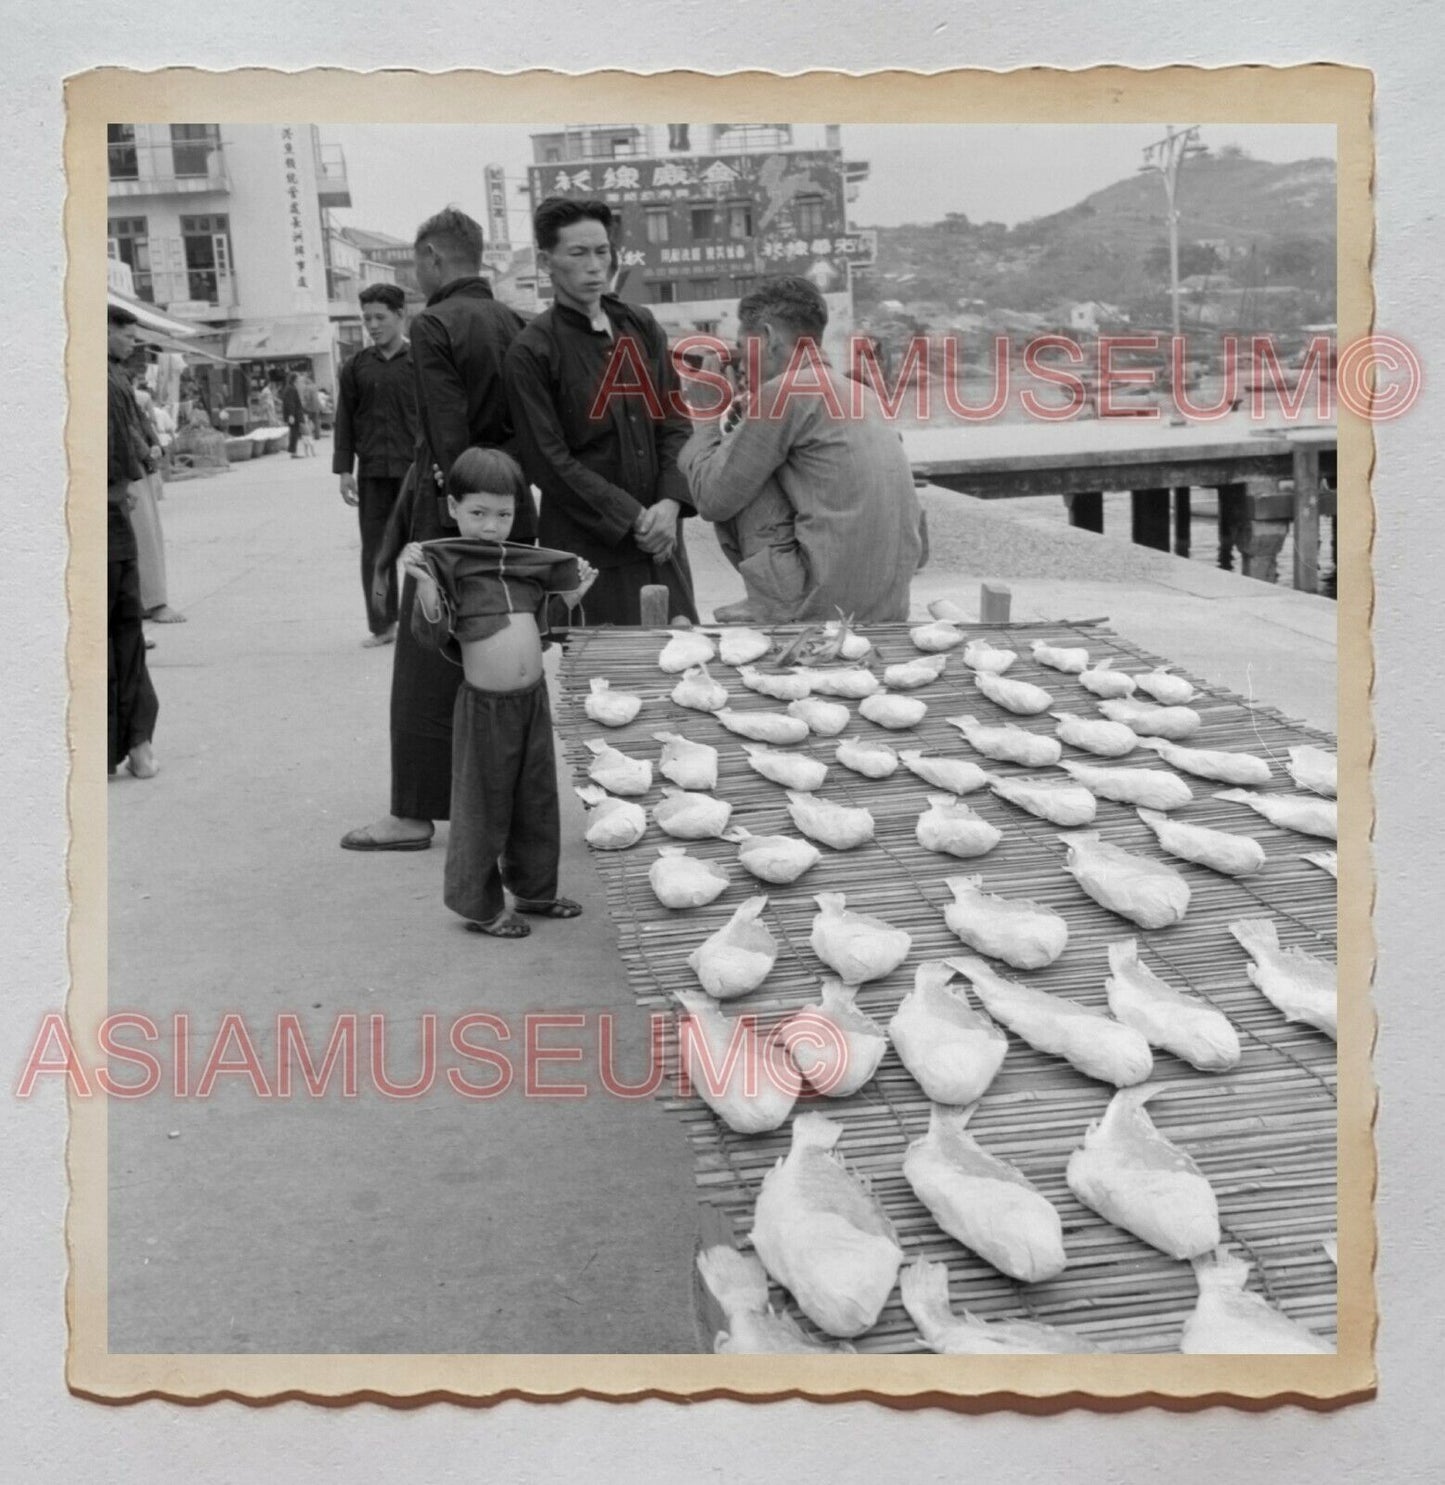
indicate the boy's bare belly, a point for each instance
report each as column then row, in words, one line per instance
column 509, row 660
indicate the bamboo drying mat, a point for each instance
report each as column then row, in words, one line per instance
column 1264, row 1134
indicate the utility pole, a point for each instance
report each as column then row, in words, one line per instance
column 1166, row 156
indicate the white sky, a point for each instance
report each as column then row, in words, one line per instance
column 401, row 173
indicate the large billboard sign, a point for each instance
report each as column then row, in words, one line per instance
column 702, row 218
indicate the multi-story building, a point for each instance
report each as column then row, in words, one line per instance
column 705, row 210
column 227, row 227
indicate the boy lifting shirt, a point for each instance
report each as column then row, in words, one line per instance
column 491, row 604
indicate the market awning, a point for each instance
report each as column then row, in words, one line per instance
column 189, row 350
column 279, row 340
column 150, row 318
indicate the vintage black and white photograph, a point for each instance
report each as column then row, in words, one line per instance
column 722, row 737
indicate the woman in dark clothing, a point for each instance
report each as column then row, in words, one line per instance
column 292, row 412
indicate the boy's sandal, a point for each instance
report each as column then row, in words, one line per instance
column 558, row 907
column 505, row 926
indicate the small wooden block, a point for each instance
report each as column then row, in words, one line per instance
column 994, row 603
column 654, row 606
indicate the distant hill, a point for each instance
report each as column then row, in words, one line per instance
column 1257, row 251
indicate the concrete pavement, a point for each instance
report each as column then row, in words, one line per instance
column 243, row 1222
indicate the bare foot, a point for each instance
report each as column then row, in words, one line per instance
column 142, row 762
column 386, row 637
column 165, row 614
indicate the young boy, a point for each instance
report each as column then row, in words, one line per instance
column 490, row 598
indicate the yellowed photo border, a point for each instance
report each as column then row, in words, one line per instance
column 1321, row 93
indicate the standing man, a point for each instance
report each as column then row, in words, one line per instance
column 130, row 698
column 458, row 343
column 376, row 430
column 812, row 486
column 606, row 466
column 292, row 411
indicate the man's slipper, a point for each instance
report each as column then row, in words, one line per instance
column 560, row 907
column 364, row 840
column 505, row 926
column 374, row 641
column 165, row 615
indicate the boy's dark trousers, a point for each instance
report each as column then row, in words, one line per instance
column 130, row 697
column 375, row 497
column 506, row 823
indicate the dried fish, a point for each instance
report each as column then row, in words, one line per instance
column 1023, row 933
column 835, row 825
column 682, row 881
column 617, row 772
column 948, row 825
column 773, row 858
column 1021, row 697
column 792, row 770
column 1223, row 766
column 1087, row 1039
column 739, row 956
column 1182, row 1024
column 1145, row 891
column 607, row 707
column 612, row 824
column 686, row 816
column 823, row 718
column 953, row 1051
column 1132, row 1176
column 686, row 648
column 856, row 946
column 1148, row 720
column 823, row 1235
column 893, row 712
column 1231, row 855
column 1008, row 743
column 874, row 760
column 985, row 1203
column 1302, row 812
column 689, row 764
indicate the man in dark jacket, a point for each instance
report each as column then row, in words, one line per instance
column 376, row 432
column 592, row 390
column 130, row 697
column 458, row 343
column 292, row 412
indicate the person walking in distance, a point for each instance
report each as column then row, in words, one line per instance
column 602, row 451
column 292, row 412
column 375, row 435
column 131, row 702
column 458, row 343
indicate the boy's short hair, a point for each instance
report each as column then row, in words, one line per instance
column 393, row 296
column 454, row 235
column 118, row 314
column 490, row 471
column 557, row 212
column 793, row 302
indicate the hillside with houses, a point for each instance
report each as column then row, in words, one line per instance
column 1257, row 255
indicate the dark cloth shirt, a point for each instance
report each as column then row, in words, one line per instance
column 481, row 582
column 597, row 473
column 291, row 409
column 127, row 445
column 458, row 344
column 376, row 415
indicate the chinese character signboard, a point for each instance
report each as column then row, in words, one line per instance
column 295, row 218
column 718, row 217
column 499, row 234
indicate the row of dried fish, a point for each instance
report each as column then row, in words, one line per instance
column 821, row 1234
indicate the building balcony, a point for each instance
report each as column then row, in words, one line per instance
column 332, row 186
column 180, row 167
